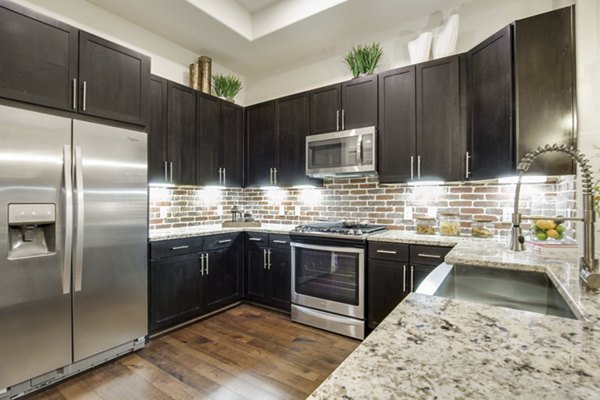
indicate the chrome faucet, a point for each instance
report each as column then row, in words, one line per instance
column 589, row 270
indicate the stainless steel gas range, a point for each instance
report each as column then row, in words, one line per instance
column 328, row 276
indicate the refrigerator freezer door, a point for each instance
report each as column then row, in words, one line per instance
column 35, row 298
column 110, row 246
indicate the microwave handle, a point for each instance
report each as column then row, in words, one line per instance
column 359, row 150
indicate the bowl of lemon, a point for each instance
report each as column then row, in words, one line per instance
column 548, row 230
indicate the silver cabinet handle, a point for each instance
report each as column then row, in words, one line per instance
column 224, row 177
column 429, row 255
column 343, row 119
column 84, row 100
column 66, row 270
column 202, row 264
column 412, row 278
column 337, row 120
column 171, row 168
column 253, row 239
column 180, row 247
column 359, row 146
column 275, row 176
column 80, row 220
column 220, row 176
column 271, row 176
column 387, row 252
column 404, row 278
column 467, row 172
column 74, row 103
column 206, row 256
column 264, row 258
column 279, row 241
column 269, row 259
column 224, row 241
column 166, row 171
column 419, row 167
column 412, row 167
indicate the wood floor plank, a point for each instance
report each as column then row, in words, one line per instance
column 244, row 353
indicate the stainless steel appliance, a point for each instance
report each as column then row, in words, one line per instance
column 328, row 276
column 347, row 153
column 73, row 237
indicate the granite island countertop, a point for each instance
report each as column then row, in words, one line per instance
column 205, row 230
column 431, row 347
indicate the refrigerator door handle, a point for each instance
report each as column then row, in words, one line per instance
column 66, row 271
column 80, row 210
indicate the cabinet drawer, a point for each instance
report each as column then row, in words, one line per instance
column 279, row 241
column 428, row 255
column 257, row 239
column 220, row 241
column 168, row 248
column 388, row 251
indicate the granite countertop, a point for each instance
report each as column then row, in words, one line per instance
column 205, row 230
column 411, row 237
column 431, row 347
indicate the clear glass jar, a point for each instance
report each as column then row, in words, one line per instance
column 449, row 224
column 425, row 226
column 483, row 227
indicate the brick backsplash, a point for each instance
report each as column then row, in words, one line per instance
column 358, row 198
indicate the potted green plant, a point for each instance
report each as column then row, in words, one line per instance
column 226, row 86
column 363, row 59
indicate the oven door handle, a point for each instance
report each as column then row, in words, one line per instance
column 337, row 249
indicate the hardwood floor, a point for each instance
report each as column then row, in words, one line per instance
column 244, row 353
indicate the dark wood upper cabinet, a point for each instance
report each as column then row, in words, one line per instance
column 292, row 129
column 158, row 167
column 38, row 58
column 261, row 144
column 114, row 80
column 522, row 95
column 232, row 133
column 441, row 140
column 397, row 125
column 181, row 140
column 351, row 104
column 359, row 102
column 209, row 142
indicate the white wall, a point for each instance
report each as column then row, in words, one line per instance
column 478, row 20
column 169, row 60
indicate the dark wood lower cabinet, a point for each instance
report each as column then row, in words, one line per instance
column 280, row 277
column 387, row 286
column 222, row 282
column 256, row 282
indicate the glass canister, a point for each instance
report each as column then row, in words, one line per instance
column 425, row 226
column 483, row 227
column 449, row 224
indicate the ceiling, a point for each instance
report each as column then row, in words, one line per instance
column 250, row 36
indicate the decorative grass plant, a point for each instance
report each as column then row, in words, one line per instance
column 227, row 86
column 363, row 59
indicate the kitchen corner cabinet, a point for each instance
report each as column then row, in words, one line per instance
column 158, row 167
column 268, row 270
column 348, row 105
column 219, row 133
column 192, row 277
column 422, row 131
column 393, row 271
column 181, row 134
column 522, row 95
column 261, row 145
column 49, row 63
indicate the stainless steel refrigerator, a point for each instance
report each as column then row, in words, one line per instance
column 73, row 246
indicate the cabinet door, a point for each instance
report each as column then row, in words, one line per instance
column 256, row 278
column 232, row 127
column 115, row 80
column 545, row 87
column 292, row 127
column 38, row 58
column 157, row 131
column 491, row 145
column 261, row 149
column 397, row 127
column 359, row 102
column 325, row 109
column 222, row 284
column 280, row 278
column 388, row 284
column 182, row 133
column 209, row 141
column 175, row 291
column 440, row 147
column 418, row 273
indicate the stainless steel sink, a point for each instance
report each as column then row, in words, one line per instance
column 521, row 290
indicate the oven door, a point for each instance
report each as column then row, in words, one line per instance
column 341, row 153
column 329, row 278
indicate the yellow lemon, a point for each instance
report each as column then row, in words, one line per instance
column 552, row 233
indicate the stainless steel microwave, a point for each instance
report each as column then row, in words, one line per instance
column 346, row 153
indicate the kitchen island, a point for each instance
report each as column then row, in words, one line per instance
column 431, row 347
